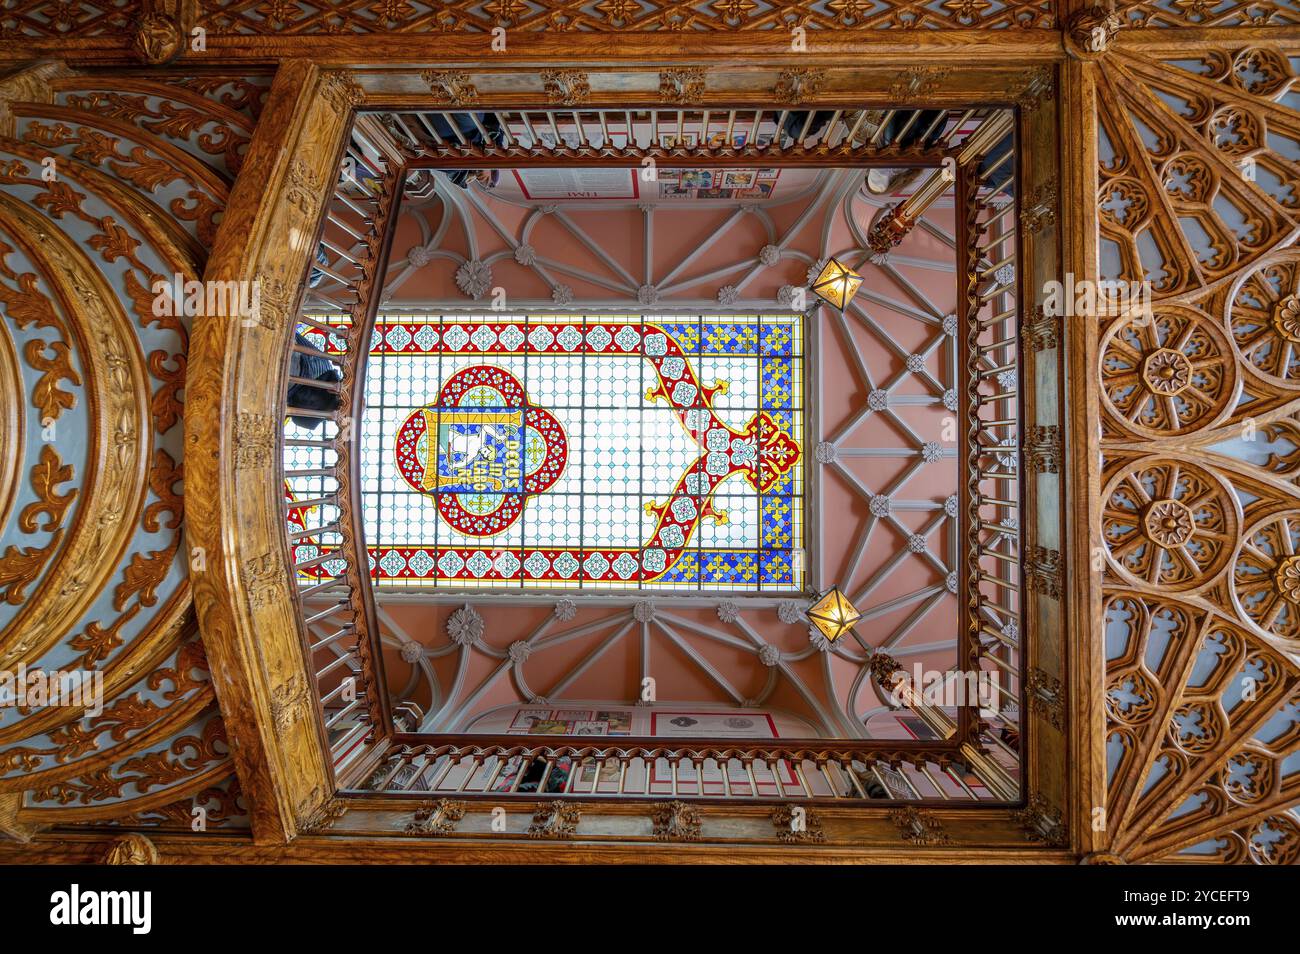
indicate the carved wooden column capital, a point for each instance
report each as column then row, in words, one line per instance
column 132, row 849
column 1090, row 31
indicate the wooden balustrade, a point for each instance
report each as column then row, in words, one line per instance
column 595, row 137
column 505, row 767
column 320, row 449
column 992, row 459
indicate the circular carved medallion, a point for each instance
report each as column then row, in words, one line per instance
column 1167, row 372
column 1264, row 317
column 1169, row 524
column 1286, row 318
column 1266, row 575
column 1171, row 374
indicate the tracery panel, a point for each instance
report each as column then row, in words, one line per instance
column 1198, row 498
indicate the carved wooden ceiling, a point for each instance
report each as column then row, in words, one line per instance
column 1163, row 144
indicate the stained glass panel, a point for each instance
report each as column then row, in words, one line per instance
column 596, row 452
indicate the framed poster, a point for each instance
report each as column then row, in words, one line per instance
column 527, row 718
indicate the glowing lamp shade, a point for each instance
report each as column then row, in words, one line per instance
column 837, row 284
column 833, row 614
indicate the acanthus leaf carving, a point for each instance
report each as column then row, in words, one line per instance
column 19, row 568
column 47, row 474
column 676, row 821
column 50, row 399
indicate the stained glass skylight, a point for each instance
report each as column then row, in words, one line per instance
column 592, row 452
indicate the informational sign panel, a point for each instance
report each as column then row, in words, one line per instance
column 578, row 183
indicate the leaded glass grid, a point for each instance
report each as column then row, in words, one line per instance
column 595, row 452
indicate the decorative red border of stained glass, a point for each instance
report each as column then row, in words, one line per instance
column 762, row 452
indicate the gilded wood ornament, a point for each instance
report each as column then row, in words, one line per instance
column 1197, row 401
column 676, row 821
column 141, row 172
column 252, row 636
column 437, row 819
column 556, row 820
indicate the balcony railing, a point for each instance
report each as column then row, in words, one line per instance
column 507, row 767
column 320, row 451
column 699, row 136
column 992, row 457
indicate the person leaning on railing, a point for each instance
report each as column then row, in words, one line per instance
column 449, row 124
column 317, row 368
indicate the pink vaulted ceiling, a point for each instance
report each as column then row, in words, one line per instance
column 880, row 451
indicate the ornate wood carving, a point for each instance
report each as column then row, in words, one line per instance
column 252, row 639
column 1034, row 86
column 1043, row 571
column 451, row 87
column 325, row 816
column 676, row 821
column 132, row 849
column 1039, row 211
column 1043, row 449
column 797, row 825
column 156, row 38
column 1089, row 31
column 437, row 819
column 255, row 440
column 1045, row 696
column 917, row 81
column 681, row 86
column 10, row 825
column 556, row 820
column 798, row 85
column 1198, row 610
column 566, row 87
column 1194, row 538
column 1042, row 822
column 82, row 251
column 920, row 827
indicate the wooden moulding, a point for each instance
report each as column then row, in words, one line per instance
column 1085, row 672
column 562, row 48
column 240, row 565
column 387, row 831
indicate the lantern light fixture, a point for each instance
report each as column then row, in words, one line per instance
column 837, row 284
column 833, row 614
